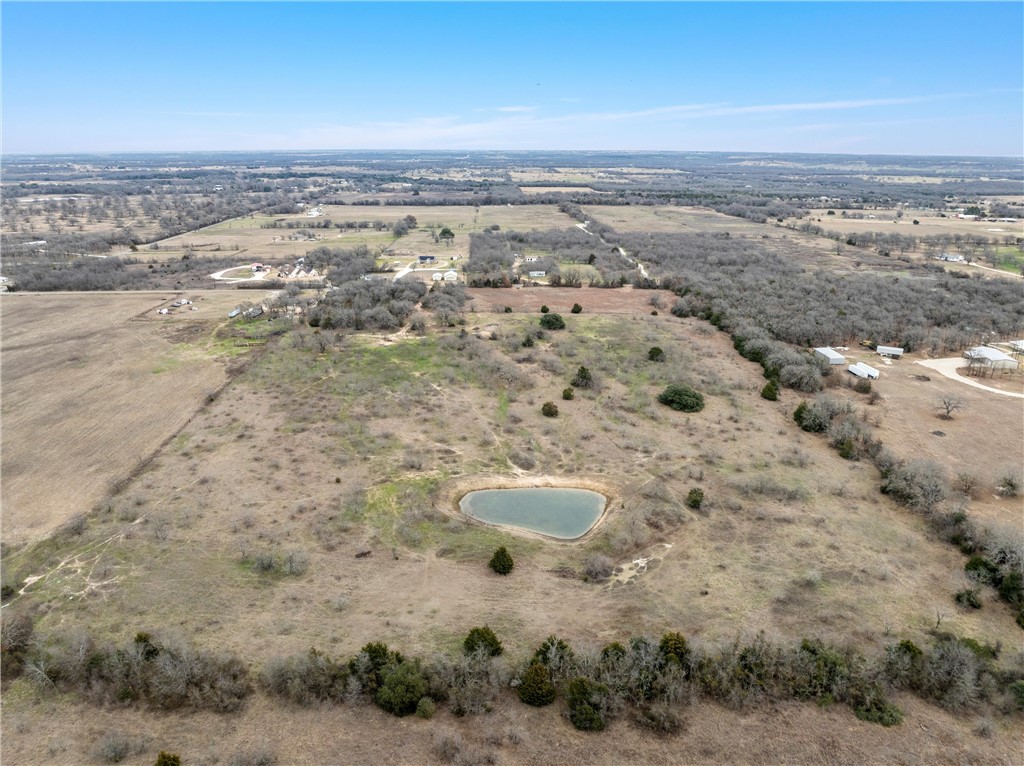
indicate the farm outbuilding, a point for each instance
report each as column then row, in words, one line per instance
column 1017, row 346
column 865, row 371
column 987, row 358
column 894, row 351
column 830, row 355
column 538, row 273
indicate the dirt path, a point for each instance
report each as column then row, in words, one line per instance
column 254, row 278
column 948, row 368
column 997, row 271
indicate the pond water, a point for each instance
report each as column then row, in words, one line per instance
column 563, row 513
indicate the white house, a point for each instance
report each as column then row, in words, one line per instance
column 530, row 258
column 437, row 277
column 451, row 276
column 538, row 273
column 830, row 355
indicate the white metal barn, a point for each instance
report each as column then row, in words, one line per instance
column 865, row 371
column 830, row 355
column 894, row 351
column 988, row 358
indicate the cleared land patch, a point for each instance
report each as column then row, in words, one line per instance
column 94, row 383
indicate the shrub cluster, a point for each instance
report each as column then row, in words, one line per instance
column 645, row 676
column 165, row 674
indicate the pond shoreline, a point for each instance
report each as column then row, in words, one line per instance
column 451, row 494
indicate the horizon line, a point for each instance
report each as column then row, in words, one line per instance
column 116, row 152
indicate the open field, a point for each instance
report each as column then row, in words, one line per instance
column 246, row 237
column 930, row 224
column 326, row 455
column 256, row 470
column 594, row 300
column 82, row 408
column 669, row 218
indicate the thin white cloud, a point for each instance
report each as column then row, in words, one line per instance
column 522, row 126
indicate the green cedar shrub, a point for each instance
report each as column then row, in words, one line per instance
column 536, row 688
column 695, row 498
column 402, row 687
column 968, row 598
column 552, row 322
column 675, row 649
column 482, row 637
column 501, row 562
column 682, row 398
column 771, row 390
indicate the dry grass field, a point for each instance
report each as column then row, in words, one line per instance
column 93, row 383
column 930, row 224
column 246, row 237
column 793, row 733
column 561, row 299
column 361, row 448
column 670, row 219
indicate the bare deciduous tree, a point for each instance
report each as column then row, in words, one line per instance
column 950, row 403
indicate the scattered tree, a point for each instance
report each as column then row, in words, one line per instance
column 576, row 309
column 583, row 378
column 568, row 393
column 535, row 687
column 501, row 562
column 950, row 403
column 655, row 354
column 549, row 410
column 770, row 390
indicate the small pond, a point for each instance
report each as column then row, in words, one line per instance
column 562, row 513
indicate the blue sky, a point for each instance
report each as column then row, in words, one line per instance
column 914, row 78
